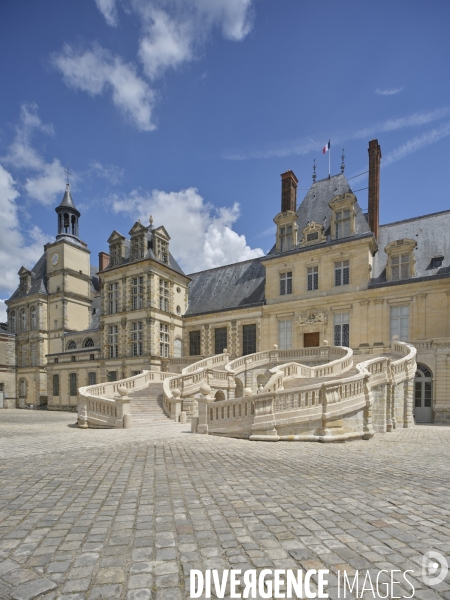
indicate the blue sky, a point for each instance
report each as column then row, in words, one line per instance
column 190, row 111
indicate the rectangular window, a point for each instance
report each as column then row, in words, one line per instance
column 194, row 343
column 113, row 298
column 312, row 236
column 33, row 319
column 284, row 335
column 400, row 322
column 137, row 335
column 164, row 340
column 285, row 283
column 73, row 389
column 286, row 238
column 92, row 378
column 22, row 388
column 161, row 250
column 342, row 219
column 342, row 272
column 342, row 329
column 113, row 341
column 164, row 295
column 220, row 340
column 56, row 385
column 249, row 339
column 137, row 248
column 137, row 293
column 112, row 376
column 24, row 356
column 313, row 278
column 400, row 267
column 56, row 324
column 33, row 354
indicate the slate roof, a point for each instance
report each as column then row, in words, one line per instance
column 314, row 207
column 67, row 201
column 38, row 280
column 150, row 254
column 96, row 309
column 229, row 287
column 432, row 234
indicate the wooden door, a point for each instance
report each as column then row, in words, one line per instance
column 311, row 339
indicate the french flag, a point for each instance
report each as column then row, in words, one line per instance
column 326, row 148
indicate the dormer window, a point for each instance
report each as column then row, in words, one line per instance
column 161, row 250
column 343, row 217
column 286, row 238
column 313, row 234
column 401, row 260
column 137, row 248
column 342, row 224
column 116, row 248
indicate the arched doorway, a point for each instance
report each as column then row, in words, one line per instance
column 239, row 391
column 219, row 396
column 423, row 394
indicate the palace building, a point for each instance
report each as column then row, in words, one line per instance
column 334, row 273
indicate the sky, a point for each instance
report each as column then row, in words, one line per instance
column 190, row 111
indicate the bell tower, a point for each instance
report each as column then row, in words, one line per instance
column 68, row 216
column 68, row 276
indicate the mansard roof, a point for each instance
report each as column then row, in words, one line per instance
column 240, row 285
column 431, row 232
column 38, row 280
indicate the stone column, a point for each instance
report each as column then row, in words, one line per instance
column 364, row 323
column 368, row 429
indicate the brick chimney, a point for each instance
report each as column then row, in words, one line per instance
column 374, row 186
column 103, row 261
column 288, row 191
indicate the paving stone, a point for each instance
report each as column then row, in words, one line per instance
column 32, row 589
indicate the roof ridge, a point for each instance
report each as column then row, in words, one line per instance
column 442, row 212
column 242, row 262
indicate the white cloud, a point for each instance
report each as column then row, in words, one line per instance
column 201, row 235
column 49, row 181
column 417, row 143
column 390, row 92
column 305, row 145
column 174, row 31
column 109, row 11
column 97, row 71
column 112, row 173
column 16, row 248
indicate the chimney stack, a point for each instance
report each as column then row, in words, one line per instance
column 288, row 191
column 374, row 186
column 103, row 261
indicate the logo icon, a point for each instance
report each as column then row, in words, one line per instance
column 434, row 568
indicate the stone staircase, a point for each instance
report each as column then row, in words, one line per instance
column 147, row 406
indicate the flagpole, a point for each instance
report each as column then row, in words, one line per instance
column 329, row 159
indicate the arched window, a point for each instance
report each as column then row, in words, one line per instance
column 13, row 322
column 23, row 320
column 88, row 343
column 33, row 318
column 71, row 345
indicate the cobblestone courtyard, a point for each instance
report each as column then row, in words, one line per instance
column 91, row 514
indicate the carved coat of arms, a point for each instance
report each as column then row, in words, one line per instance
column 312, row 317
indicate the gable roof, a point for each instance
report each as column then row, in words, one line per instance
column 229, row 287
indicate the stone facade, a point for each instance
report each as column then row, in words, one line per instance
column 334, row 274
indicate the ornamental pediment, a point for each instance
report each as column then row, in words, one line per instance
column 313, row 233
column 115, row 237
column 137, row 229
column 161, row 231
column 312, row 317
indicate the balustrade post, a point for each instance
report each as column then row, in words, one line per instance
column 203, row 399
column 408, row 418
column 123, row 419
column 82, row 413
column 331, row 427
column 175, row 405
column 367, row 414
column 263, row 428
column 390, row 403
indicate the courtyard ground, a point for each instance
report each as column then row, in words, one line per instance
column 104, row 514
